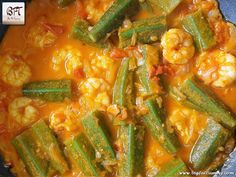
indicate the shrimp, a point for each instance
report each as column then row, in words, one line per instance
column 178, row 47
column 95, row 93
column 68, row 57
column 187, row 122
column 22, row 110
column 216, row 68
column 38, row 37
column 102, row 65
column 64, row 119
column 15, row 72
column 43, row 34
column 92, row 86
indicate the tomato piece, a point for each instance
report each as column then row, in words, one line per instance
column 55, row 29
column 161, row 69
column 81, row 11
column 79, row 73
column 118, row 53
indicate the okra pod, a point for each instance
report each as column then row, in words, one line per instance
column 64, row 3
column 200, row 96
column 43, row 149
column 98, row 136
column 49, row 144
column 52, row 90
column 197, row 25
column 174, row 168
column 146, row 31
column 80, row 31
column 35, row 163
column 82, row 155
column 145, row 5
column 154, row 120
column 167, row 6
column 124, row 85
column 113, row 18
column 150, row 61
column 207, row 145
column 179, row 97
column 131, row 161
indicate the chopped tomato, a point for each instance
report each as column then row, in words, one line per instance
column 81, row 10
column 79, row 73
column 3, row 129
column 221, row 30
column 161, row 69
column 131, row 48
column 133, row 51
column 56, row 29
column 118, row 53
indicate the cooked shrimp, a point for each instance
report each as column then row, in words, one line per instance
column 95, row 92
column 177, row 46
column 102, row 65
column 92, row 86
column 15, row 72
column 21, row 109
column 64, row 119
column 38, row 36
column 217, row 68
column 43, row 33
column 68, row 57
column 187, row 122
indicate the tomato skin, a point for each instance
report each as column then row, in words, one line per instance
column 118, row 53
column 55, row 29
column 79, row 73
column 81, row 10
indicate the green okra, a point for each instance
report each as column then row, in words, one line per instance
column 80, row 31
column 82, row 155
column 201, row 97
column 197, row 25
column 49, row 144
column 40, row 151
column 64, row 3
column 131, row 161
column 124, row 85
column 146, row 31
column 98, row 136
column 174, row 168
column 179, row 97
column 113, row 18
column 167, row 6
column 207, row 145
column 35, row 163
column 154, row 120
column 145, row 5
column 150, row 61
column 51, row 90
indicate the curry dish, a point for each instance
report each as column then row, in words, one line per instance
column 122, row 88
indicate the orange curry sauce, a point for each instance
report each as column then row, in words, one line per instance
column 17, row 42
